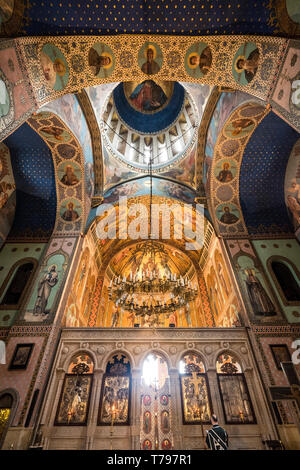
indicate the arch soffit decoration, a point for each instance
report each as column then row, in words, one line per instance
column 66, row 150
column 229, row 148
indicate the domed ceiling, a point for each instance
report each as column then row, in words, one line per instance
column 149, row 121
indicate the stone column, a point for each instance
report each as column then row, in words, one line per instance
column 215, row 394
column 94, row 408
column 54, row 397
column 135, row 419
column 176, row 408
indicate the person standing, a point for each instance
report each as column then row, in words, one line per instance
column 217, row 437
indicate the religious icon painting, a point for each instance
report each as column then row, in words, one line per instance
column 69, row 174
column 280, row 354
column 148, row 96
column 150, row 58
column 195, row 398
column 74, row 402
column 198, row 60
column 166, row 444
column 70, row 210
column 147, row 400
column 55, row 134
column 239, row 128
column 228, row 213
column 46, row 289
column 245, row 63
column 165, row 422
column 115, row 400
column 55, row 67
column 21, row 356
column 147, row 422
column 147, row 445
column 225, row 170
column 101, row 60
column 164, row 400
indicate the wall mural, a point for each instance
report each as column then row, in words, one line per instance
column 150, row 58
column 79, row 303
column 55, row 67
column 101, row 60
column 245, row 63
column 257, row 292
column 292, row 185
column 46, row 288
column 7, row 193
column 225, row 168
column 223, row 299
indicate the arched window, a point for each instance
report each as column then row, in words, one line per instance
column 74, row 401
column 6, row 402
column 17, row 285
column 234, row 393
column 196, row 404
column 156, row 418
column 115, row 393
column 286, row 281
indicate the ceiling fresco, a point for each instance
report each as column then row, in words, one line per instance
column 33, row 170
column 179, row 17
column 263, row 166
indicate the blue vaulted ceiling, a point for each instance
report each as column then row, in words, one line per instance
column 59, row 17
column 35, row 184
column 262, row 176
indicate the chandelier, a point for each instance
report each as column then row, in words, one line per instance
column 149, row 284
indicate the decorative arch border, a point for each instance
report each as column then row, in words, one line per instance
column 185, row 352
column 77, row 352
column 227, row 193
column 60, row 154
column 289, row 263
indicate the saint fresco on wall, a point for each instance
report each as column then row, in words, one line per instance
column 150, row 58
column 101, row 60
column 46, row 288
column 292, row 185
column 245, row 63
column 198, row 60
column 254, row 286
column 55, row 67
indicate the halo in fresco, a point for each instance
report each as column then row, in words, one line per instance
column 69, row 174
column 4, row 99
column 228, row 213
column 55, row 67
column 101, row 60
column 198, row 60
column 70, row 210
column 225, row 170
column 150, row 58
column 55, row 134
column 245, row 63
column 239, row 128
column 295, row 95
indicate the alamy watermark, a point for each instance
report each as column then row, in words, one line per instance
column 159, row 221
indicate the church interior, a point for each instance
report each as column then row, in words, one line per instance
column 149, row 224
